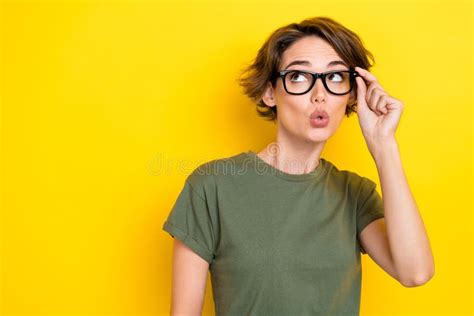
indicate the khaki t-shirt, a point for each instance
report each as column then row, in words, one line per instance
column 277, row 243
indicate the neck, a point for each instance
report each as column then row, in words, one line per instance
column 292, row 155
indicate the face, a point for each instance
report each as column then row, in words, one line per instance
column 294, row 111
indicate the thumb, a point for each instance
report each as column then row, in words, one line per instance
column 361, row 90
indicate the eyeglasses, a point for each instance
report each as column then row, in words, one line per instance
column 299, row 82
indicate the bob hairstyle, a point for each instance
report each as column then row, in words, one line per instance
column 348, row 45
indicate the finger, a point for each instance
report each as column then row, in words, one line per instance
column 381, row 104
column 371, row 88
column 379, row 92
column 394, row 104
column 391, row 100
column 376, row 91
column 374, row 100
column 366, row 74
column 361, row 90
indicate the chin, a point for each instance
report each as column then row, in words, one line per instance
column 317, row 135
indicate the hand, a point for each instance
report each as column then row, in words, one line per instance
column 378, row 112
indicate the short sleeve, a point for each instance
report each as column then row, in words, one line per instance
column 190, row 221
column 369, row 206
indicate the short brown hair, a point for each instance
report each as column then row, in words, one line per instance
column 265, row 66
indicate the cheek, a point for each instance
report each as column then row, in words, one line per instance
column 336, row 118
column 340, row 105
column 290, row 116
column 290, row 108
column 339, row 112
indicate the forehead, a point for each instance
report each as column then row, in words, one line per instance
column 314, row 49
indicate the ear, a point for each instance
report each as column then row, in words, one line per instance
column 268, row 95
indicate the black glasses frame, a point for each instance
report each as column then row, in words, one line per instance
column 352, row 75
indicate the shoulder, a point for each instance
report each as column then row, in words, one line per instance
column 347, row 178
column 204, row 176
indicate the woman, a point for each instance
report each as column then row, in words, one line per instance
column 282, row 230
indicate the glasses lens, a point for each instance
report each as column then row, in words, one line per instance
column 297, row 82
column 338, row 82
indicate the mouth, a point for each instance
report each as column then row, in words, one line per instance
column 319, row 122
column 319, row 115
column 319, row 118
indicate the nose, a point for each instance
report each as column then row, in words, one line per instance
column 319, row 91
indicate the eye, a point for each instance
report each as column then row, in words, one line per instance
column 335, row 77
column 300, row 75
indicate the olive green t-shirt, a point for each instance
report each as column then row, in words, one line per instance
column 277, row 243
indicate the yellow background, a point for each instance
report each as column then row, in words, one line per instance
column 108, row 105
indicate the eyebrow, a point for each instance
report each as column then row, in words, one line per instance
column 307, row 63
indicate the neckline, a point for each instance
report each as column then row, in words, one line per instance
column 266, row 168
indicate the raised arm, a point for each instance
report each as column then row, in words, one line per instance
column 406, row 238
